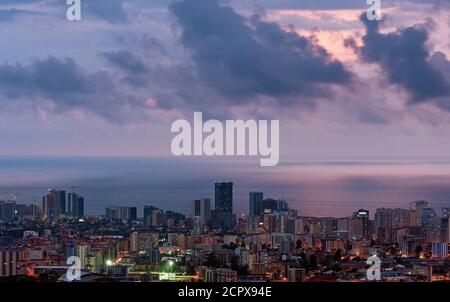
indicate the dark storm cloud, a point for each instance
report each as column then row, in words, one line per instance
column 66, row 84
column 243, row 57
column 406, row 60
column 127, row 61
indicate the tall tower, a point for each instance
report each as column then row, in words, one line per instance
column 202, row 210
column 54, row 204
column 224, row 197
column 255, row 203
column 75, row 205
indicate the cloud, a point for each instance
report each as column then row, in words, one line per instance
column 242, row 58
column 7, row 15
column 406, row 60
column 126, row 60
column 304, row 4
column 112, row 11
column 67, row 87
column 367, row 116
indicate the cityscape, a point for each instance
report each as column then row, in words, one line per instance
column 271, row 243
column 224, row 148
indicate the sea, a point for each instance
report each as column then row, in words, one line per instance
column 318, row 187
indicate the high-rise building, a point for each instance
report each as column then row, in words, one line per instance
column 383, row 223
column 8, row 262
column 418, row 206
column 128, row 213
column 222, row 221
column 255, row 203
column 202, row 210
column 430, row 224
column 359, row 227
column 269, row 206
column 154, row 256
column 75, row 205
column 7, row 210
column 148, row 213
column 54, row 204
column 81, row 251
column 439, row 250
column 134, row 241
column 444, row 230
column 327, row 226
column 121, row 213
column 224, row 197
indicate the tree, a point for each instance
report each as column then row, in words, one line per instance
column 212, row 261
column 337, row 256
column 190, row 270
column 242, row 270
column 313, row 262
column 235, row 263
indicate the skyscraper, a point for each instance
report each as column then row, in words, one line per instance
column 75, row 205
column 202, row 210
column 418, row 206
column 54, row 204
column 359, row 225
column 148, row 213
column 134, row 238
column 224, row 197
column 8, row 262
column 255, row 203
column 121, row 213
column 7, row 210
column 383, row 223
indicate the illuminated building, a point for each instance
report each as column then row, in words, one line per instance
column 296, row 274
column 8, row 262
column 439, row 250
column 224, row 197
column 134, row 242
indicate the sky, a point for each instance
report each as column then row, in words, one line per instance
column 113, row 83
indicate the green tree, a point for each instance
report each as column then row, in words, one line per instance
column 313, row 262
column 337, row 256
column 212, row 261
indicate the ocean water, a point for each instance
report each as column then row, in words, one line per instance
column 313, row 186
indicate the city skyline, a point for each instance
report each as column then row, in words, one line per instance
column 273, row 244
column 59, row 203
column 253, row 142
